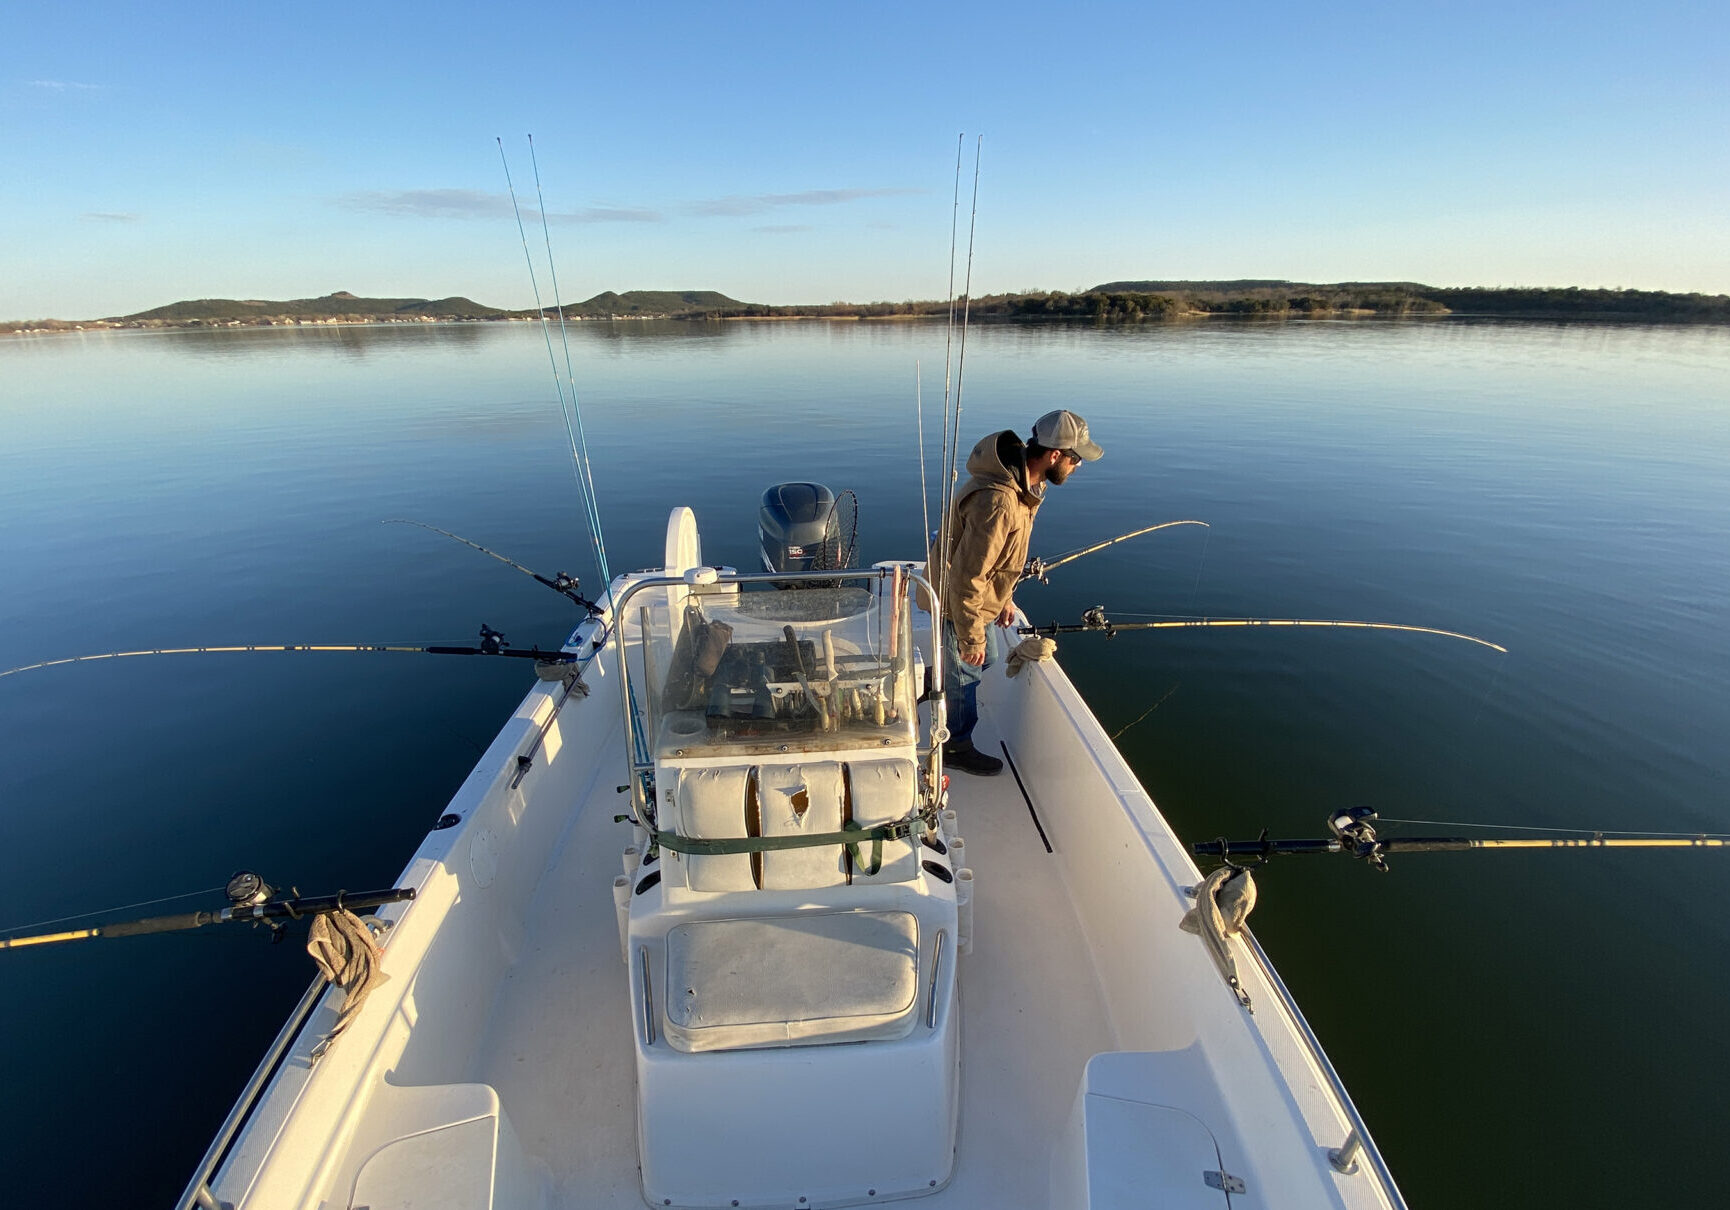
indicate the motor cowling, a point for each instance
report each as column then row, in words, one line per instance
column 800, row 528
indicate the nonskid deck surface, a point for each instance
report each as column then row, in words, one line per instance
column 559, row 1045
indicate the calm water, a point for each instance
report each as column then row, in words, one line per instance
column 1542, row 1030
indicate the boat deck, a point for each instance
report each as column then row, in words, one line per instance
column 559, row 1044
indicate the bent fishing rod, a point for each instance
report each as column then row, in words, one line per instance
column 1094, row 621
column 1037, row 568
column 492, row 642
column 1354, row 834
column 251, row 900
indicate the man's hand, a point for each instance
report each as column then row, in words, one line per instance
column 1007, row 617
column 976, row 658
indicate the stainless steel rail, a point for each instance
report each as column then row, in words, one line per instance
column 635, row 584
column 198, row 1195
column 1341, row 1158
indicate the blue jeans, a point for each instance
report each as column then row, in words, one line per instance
column 961, row 682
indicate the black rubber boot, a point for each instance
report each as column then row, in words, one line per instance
column 965, row 757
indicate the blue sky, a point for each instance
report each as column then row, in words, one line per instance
column 806, row 152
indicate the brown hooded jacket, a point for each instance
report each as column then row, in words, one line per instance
column 989, row 530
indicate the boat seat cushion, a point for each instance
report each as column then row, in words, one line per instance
column 802, row 800
column 882, row 791
column 712, row 805
column 799, row 980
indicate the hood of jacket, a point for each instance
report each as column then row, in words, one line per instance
column 1000, row 459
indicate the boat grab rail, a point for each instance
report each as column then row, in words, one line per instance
column 939, row 717
column 197, row 1195
column 1343, row 1159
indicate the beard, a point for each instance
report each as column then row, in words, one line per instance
column 1058, row 471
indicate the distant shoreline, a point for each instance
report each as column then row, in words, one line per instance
column 1193, row 317
column 1116, row 303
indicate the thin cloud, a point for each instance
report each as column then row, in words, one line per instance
column 784, row 228
column 476, row 203
column 108, row 216
column 65, row 86
column 431, row 203
column 607, row 214
column 736, row 205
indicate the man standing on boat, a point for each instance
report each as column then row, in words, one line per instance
column 990, row 526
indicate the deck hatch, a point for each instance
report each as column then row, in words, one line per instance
column 797, row 980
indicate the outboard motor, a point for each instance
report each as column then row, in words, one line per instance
column 805, row 527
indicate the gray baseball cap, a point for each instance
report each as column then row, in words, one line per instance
column 1064, row 430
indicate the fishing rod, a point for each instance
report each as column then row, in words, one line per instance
column 1036, row 568
column 1094, row 620
column 1355, row 836
column 562, row 583
column 492, row 642
column 250, row 899
column 950, row 451
column 585, row 486
column 586, row 470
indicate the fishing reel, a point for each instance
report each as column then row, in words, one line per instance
column 565, row 582
column 248, row 890
column 1095, row 619
column 1351, row 827
column 1035, row 570
column 492, row 641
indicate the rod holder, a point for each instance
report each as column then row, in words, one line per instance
column 964, row 911
column 622, row 908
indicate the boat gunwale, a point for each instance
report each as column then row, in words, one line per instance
column 587, row 643
column 1151, row 825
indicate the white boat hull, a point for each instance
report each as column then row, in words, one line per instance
column 1103, row 1061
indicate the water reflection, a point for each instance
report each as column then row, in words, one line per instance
column 1557, row 488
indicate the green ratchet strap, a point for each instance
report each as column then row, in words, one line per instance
column 851, row 836
column 876, row 851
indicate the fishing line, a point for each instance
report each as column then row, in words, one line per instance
column 546, row 329
column 1144, row 713
column 1495, row 679
column 124, row 907
column 586, row 465
column 1199, row 565
column 1124, row 613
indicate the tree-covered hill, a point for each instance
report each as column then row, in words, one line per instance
column 1169, row 299
column 341, row 305
column 671, row 303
